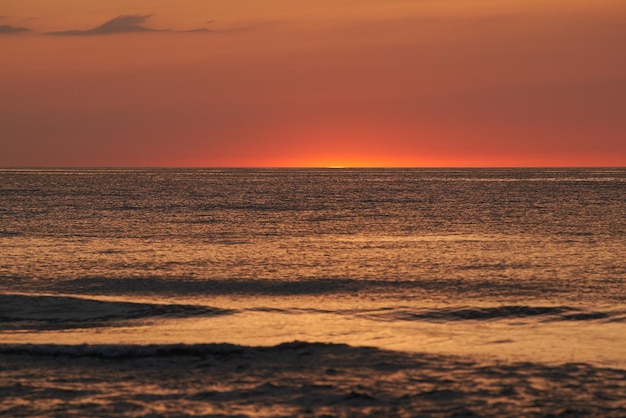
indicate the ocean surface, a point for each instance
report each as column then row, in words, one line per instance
column 313, row 292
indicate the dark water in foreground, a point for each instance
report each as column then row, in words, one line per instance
column 486, row 292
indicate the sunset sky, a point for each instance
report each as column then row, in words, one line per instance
column 298, row 83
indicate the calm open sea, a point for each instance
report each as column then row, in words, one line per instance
column 172, row 292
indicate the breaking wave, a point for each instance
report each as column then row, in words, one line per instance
column 297, row 379
column 544, row 313
column 53, row 312
column 152, row 350
column 43, row 312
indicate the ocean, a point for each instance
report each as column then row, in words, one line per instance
column 313, row 292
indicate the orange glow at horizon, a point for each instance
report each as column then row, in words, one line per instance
column 386, row 83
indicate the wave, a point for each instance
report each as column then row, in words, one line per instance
column 305, row 286
column 233, row 286
column 294, row 379
column 441, row 290
column 158, row 350
column 54, row 312
column 44, row 312
column 543, row 313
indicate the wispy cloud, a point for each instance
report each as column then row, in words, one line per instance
column 233, row 28
column 199, row 30
column 10, row 30
column 136, row 23
column 120, row 24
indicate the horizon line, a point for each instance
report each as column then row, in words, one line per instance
column 338, row 168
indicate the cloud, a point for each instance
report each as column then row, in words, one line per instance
column 240, row 27
column 199, row 30
column 135, row 23
column 9, row 30
column 120, row 24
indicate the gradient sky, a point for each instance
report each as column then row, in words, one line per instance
column 417, row 83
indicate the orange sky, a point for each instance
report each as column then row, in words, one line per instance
column 313, row 83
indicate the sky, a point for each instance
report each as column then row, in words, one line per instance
column 312, row 83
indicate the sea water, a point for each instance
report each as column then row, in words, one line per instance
column 439, row 292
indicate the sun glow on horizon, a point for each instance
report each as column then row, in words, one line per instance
column 317, row 84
